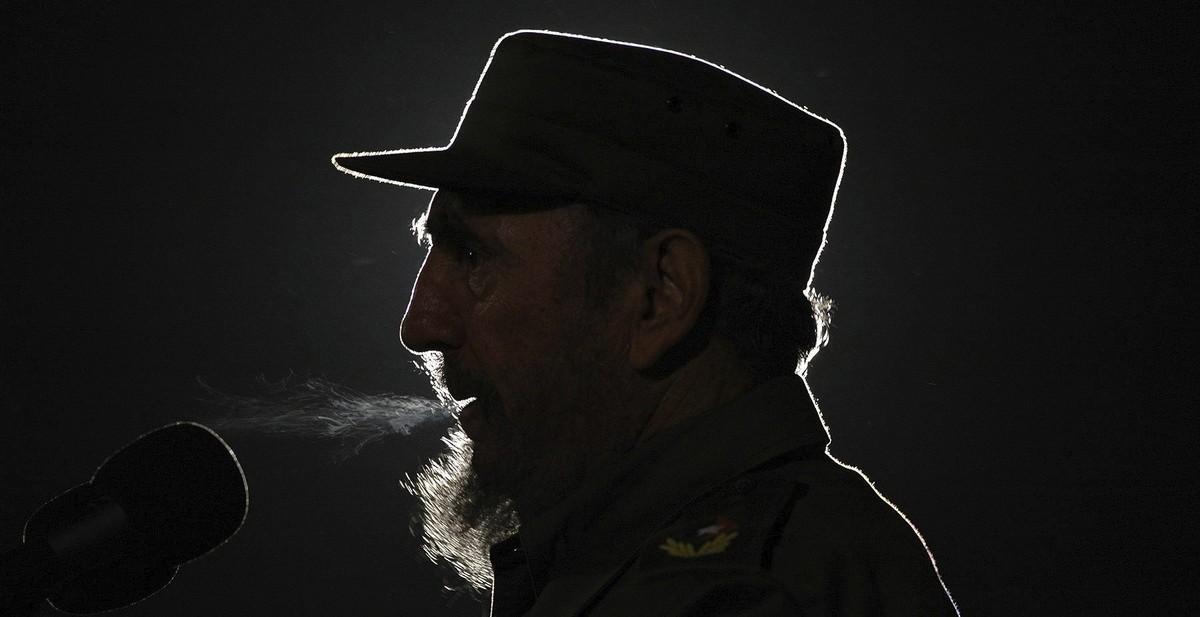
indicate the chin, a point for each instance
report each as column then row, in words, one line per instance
column 495, row 467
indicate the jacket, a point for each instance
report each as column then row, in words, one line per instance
column 740, row 511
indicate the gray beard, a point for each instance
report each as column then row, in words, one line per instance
column 460, row 518
column 463, row 514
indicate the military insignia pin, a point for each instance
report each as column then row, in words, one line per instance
column 712, row 539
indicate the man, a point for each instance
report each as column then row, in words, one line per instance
column 618, row 287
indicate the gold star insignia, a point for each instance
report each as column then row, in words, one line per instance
column 717, row 544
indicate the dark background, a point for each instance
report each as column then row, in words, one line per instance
column 1012, row 361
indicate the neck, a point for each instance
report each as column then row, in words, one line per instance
column 708, row 380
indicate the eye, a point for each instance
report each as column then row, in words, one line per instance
column 465, row 251
column 467, row 254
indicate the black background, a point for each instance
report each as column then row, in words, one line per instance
column 1012, row 361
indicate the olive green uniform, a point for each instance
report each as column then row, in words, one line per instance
column 738, row 512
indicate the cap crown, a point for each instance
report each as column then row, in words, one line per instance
column 640, row 129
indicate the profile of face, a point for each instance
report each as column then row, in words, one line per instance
column 502, row 317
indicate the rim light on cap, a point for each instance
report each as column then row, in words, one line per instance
column 644, row 130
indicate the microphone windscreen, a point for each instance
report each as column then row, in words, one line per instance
column 181, row 486
column 169, row 497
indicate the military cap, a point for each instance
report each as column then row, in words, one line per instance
column 655, row 133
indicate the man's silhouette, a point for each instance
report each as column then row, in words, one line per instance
column 617, row 297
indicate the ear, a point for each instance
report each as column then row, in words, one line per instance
column 674, row 280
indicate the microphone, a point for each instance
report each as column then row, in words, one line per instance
column 171, row 496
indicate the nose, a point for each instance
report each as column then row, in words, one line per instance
column 432, row 321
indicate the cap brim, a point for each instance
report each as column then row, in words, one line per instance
column 451, row 169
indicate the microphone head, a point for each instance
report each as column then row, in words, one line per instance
column 171, row 496
column 181, row 486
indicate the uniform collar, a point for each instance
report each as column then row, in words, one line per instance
column 607, row 518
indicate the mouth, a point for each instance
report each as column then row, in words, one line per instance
column 471, row 419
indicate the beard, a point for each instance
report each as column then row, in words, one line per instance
column 460, row 516
column 525, row 454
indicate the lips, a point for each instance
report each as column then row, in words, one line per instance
column 471, row 419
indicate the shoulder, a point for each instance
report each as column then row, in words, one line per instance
column 838, row 505
column 710, row 559
column 803, row 535
column 844, row 549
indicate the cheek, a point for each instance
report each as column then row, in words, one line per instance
column 481, row 283
column 521, row 310
column 511, row 332
column 520, row 340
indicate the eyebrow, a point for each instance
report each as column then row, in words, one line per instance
column 420, row 228
column 443, row 224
